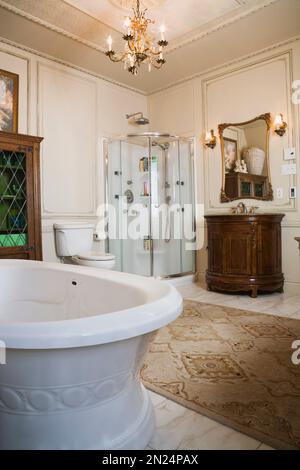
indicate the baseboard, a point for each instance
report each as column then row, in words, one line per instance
column 292, row 288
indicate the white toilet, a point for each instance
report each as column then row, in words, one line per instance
column 74, row 244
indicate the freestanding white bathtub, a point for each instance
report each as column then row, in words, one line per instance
column 75, row 339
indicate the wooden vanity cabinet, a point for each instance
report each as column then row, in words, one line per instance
column 244, row 253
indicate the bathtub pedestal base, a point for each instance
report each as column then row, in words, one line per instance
column 67, row 407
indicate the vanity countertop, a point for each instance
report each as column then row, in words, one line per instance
column 257, row 215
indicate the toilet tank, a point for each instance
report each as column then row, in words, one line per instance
column 73, row 239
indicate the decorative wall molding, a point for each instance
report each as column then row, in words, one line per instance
column 225, row 65
column 73, row 76
column 157, row 90
column 69, row 65
column 286, row 57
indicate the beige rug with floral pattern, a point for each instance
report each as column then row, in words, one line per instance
column 233, row 366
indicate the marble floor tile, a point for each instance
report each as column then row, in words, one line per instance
column 264, row 447
column 272, row 304
column 170, row 425
column 180, row 428
column 156, row 398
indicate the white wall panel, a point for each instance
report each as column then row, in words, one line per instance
column 67, row 121
column 114, row 103
column 173, row 110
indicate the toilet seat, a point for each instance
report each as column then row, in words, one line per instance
column 94, row 256
column 95, row 260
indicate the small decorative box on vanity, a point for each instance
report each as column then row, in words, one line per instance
column 244, row 253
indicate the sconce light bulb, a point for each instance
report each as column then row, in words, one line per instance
column 210, row 139
column 278, row 120
column 280, row 125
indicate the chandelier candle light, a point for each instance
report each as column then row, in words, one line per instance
column 140, row 47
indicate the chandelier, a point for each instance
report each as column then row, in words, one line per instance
column 140, row 47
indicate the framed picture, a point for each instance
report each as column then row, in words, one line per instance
column 9, row 97
column 231, row 153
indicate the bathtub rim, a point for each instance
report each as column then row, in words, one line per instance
column 94, row 330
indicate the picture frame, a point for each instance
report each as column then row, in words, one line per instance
column 230, row 153
column 9, row 101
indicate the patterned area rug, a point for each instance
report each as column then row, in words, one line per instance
column 233, row 366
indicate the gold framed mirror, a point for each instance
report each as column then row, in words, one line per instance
column 246, row 160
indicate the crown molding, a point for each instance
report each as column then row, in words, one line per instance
column 182, row 41
column 226, row 64
column 46, row 24
column 70, row 65
column 218, row 24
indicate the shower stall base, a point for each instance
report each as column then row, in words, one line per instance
column 155, row 171
column 178, row 280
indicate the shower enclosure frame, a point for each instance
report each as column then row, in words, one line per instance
column 150, row 136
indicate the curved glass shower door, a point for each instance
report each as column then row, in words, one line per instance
column 150, row 187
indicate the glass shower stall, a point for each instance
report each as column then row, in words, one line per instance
column 150, row 204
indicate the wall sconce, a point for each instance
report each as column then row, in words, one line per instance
column 279, row 125
column 210, row 139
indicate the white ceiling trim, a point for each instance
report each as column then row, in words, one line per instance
column 208, row 71
column 231, row 63
column 217, row 24
column 69, row 64
column 50, row 26
column 176, row 44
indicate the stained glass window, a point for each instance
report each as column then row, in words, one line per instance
column 13, row 207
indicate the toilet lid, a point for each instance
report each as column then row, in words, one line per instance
column 93, row 256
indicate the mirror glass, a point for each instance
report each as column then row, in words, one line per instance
column 245, row 159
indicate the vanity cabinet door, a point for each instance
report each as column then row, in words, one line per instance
column 215, row 249
column 269, row 249
column 238, row 249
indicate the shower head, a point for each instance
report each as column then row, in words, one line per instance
column 138, row 119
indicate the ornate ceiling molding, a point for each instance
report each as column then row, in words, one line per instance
column 230, row 64
column 72, row 18
column 128, row 4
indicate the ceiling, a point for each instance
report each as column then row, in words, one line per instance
column 203, row 34
column 179, row 17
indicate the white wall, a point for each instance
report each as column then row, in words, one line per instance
column 73, row 111
column 236, row 93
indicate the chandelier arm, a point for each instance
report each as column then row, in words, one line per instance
column 114, row 58
column 132, row 49
column 158, row 67
column 153, row 52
